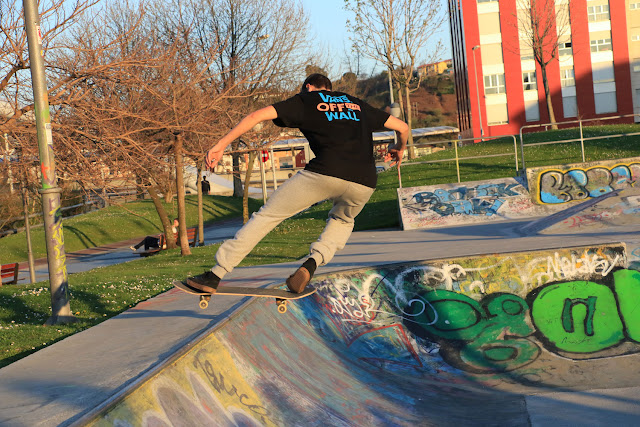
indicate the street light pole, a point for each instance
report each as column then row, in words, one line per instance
column 56, row 256
column 475, row 72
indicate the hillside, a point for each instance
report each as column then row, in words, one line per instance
column 434, row 103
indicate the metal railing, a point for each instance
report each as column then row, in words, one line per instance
column 457, row 158
column 582, row 139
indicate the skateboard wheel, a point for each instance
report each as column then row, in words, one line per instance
column 204, row 303
column 282, row 307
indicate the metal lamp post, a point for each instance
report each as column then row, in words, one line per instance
column 475, row 72
column 56, row 256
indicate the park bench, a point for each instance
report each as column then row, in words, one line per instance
column 9, row 272
column 192, row 237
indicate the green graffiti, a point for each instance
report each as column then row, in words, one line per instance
column 567, row 314
column 627, row 287
column 495, row 334
column 478, row 337
column 558, row 310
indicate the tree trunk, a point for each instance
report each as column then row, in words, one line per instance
column 182, row 212
column 200, row 207
column 162, row 214
column 168, row 194
column 547, row 94
column 237, row 181
column 411, row 148
column 247, row 180
column 401, row 100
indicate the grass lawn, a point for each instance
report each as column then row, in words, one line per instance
column 102, row 293
column 118, row 223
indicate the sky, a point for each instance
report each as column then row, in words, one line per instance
column 328, row 25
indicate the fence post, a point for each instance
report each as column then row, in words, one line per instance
column 581, row 141
column 263, row 177
column 457, row 160
column 524, row 167
column 515, row 150
column 273, row 171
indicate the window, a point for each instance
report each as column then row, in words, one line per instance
column 567, row 77
column 600, row 45
column 565, row 48
column 635, row 38
column 487, row 1
column 634, row 6
column 529, row 80
column 570, row 106
column 598, row 13
column 527, row 56
column 491, row 53
column 531, row 111
column 494, row 84
column 603, row 72
column 497, row 114
column 606, row 102
column 526, row 53
column 489, row 24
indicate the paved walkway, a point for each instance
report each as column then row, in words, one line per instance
column 60, row 383
column 119, row 252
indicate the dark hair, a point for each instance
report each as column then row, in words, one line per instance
column 318, row 80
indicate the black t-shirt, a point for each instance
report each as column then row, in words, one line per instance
column 338, row 127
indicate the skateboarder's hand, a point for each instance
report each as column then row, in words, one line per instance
column 394, row 154
column 213, row 157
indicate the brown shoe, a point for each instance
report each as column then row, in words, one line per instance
column 298, row 280
column 206, row 282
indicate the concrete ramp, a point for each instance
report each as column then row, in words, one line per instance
column 445, row 342
column 620, row 208
column 446, row 205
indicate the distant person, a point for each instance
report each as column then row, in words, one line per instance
column 153, row 242
column 339, row 129
column 206, row 186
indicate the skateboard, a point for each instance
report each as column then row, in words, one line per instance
column 281, row 296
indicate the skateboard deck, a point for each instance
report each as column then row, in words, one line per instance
column 281, row 296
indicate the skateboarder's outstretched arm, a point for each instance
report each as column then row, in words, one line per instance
column 397, row 150
column 215, row 154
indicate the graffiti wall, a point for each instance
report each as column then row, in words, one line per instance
column 465, row 203
column 401, row 344
column 558, row 185
column 620, row 210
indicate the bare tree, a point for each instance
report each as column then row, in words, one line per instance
column 542, row 26
column 262, row 46
column 395, row 33
column 128, row 116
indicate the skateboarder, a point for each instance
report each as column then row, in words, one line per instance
column 339, row 129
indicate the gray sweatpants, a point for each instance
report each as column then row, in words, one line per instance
column 297, row 194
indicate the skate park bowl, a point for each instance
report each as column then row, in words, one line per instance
column 499, row 339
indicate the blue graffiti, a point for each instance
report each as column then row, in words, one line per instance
column 579, row 184
column 481, row 200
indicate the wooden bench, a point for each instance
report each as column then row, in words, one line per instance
column 10, row 272
column 192, row 237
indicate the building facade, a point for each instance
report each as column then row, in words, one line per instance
column 595, row 72
column 435, row 68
